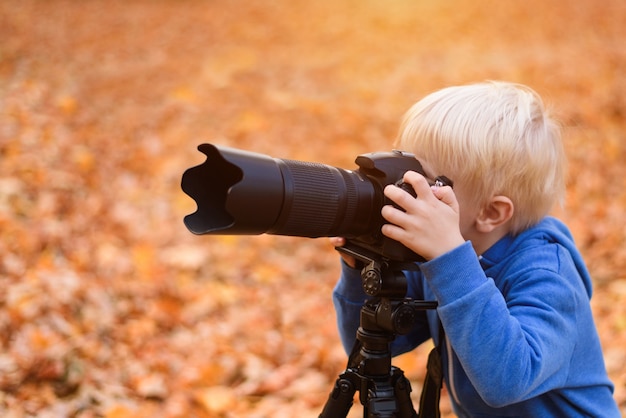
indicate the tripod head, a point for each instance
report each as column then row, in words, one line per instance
column 382, row 279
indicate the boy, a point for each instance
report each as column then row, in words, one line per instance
column 512, row 289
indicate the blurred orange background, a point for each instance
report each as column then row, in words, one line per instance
column 109, row 307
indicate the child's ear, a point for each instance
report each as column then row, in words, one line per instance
column 497, row 212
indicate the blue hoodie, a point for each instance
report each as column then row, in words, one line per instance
column 520, row 339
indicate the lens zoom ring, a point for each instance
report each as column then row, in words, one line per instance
column 317, row 200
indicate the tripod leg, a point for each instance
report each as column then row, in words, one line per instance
column 390, row 398
column 403, row 389
column 340, row 399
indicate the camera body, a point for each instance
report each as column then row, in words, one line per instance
column 244, row 193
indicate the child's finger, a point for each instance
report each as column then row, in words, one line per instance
column 446, row 195
column 419, row 183
column 337, row 241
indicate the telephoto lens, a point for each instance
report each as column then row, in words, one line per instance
column 244, row 193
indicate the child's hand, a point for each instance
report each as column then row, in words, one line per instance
column 430, row 225
column 339, row 242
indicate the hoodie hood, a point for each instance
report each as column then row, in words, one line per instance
column 550, row 230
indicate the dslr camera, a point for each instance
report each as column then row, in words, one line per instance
column 239, row 192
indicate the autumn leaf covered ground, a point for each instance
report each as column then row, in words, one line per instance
column 109, row 307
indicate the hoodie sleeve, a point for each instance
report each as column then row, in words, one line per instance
column 513, row 342
column 349, row 297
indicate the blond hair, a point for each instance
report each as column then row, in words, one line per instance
column 495, row 138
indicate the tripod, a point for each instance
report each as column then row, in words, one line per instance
column 384, row 391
